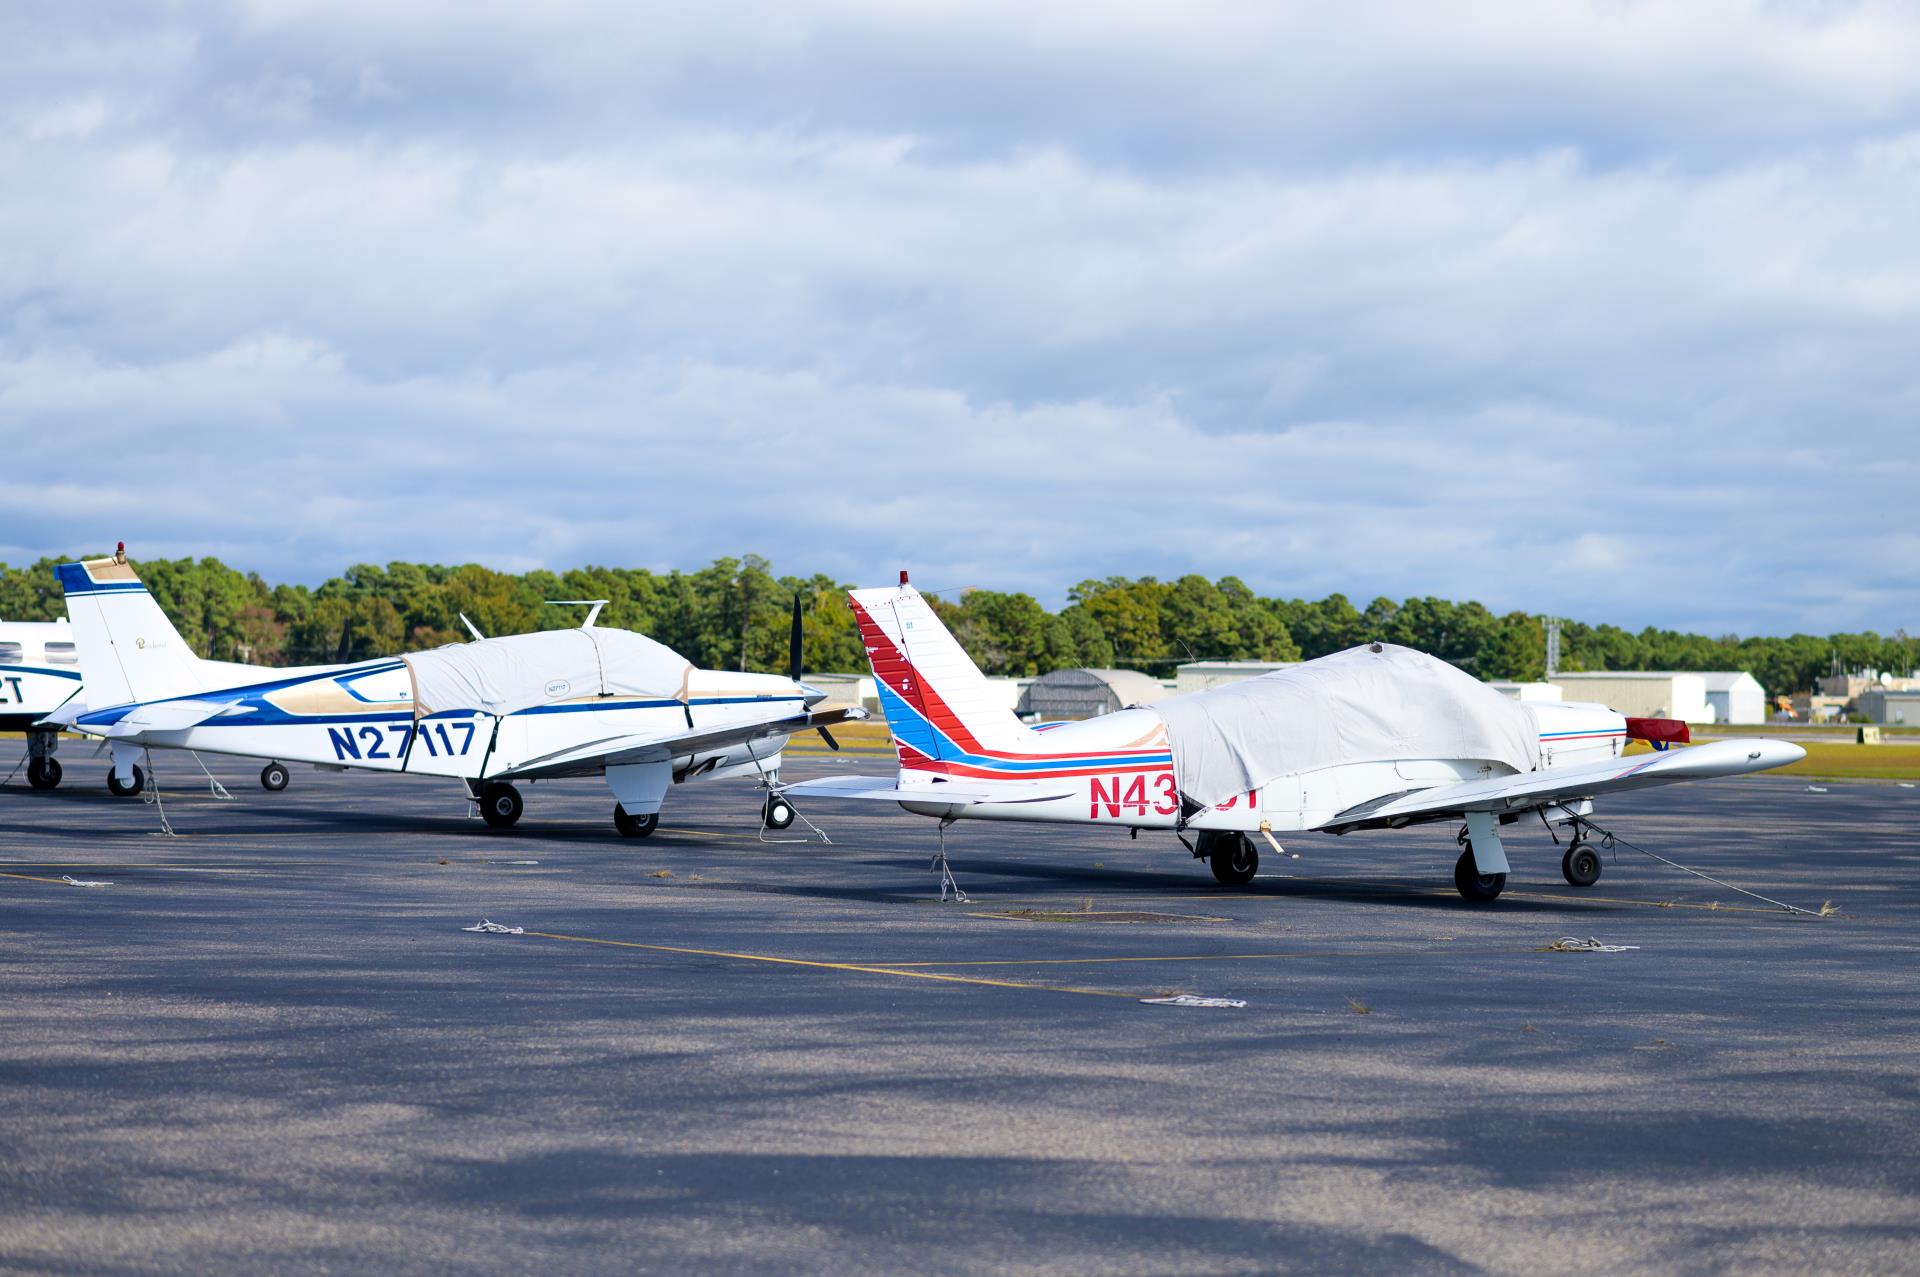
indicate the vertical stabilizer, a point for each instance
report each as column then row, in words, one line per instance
column 128, row 649
column 938, row 704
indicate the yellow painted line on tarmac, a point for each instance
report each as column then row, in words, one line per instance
column 36, row 878
column 1195, row 957
column 861, row 968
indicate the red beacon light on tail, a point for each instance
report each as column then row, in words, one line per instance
column 1659, row 732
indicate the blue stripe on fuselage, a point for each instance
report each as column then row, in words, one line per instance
column 951, row 752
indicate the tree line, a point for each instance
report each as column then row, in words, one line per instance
column 734, row 614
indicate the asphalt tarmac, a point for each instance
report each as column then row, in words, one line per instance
column 269, row 1047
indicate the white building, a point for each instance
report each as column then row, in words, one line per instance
column 1642, row 693
column 1735, row 696
column 1198, row 676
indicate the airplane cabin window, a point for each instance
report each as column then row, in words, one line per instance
column 12, row 653
column 62, row 654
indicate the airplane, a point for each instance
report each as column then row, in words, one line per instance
column 39, row 673
column 591, row 701
column 1378, row 736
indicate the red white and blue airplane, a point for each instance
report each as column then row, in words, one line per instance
column 1358, row 740
column 591, row 701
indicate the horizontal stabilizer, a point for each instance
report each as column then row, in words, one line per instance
column 165, row 716
column 891, row 789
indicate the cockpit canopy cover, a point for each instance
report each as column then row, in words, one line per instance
column 1376, row 703
column 519, row 671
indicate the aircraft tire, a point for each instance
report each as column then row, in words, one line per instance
column 1580, row 866
column 126, row 791
column 500, row 805
column 1474, row 885
column 273, row 777
column 44, row 773
column 635, row 826
column 1235, row 860
column 778, row 813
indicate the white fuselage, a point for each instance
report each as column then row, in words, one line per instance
column 362, row 717
column 39, row 671
column 1120, row 770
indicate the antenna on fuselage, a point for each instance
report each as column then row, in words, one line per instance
column 593, row 607
column 472, row 629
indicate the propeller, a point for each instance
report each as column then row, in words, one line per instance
column 793, row 667
column 793, row 643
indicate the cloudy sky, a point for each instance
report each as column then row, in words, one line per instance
column 1609, row 309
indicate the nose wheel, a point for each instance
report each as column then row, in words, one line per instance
column 778, row 812
column 273, row 777
column 1581, row 865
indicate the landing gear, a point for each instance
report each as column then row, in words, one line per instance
column 1233, row 858
column 778, row 812
column 43, row 770
column 635, row 826
column 1473, row 884
column 120, row 790
column 500, row 805
column 1581, row 865
column 273, row 777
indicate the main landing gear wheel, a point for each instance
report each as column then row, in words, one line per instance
column 120, row 790
column 273, row 777
column 1581, row 865
column 44, row 773
column 1234, row 860
column 500, row 805
column 778, row 813
column 1473, row 884
column 635, row 826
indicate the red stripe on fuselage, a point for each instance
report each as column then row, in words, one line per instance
column 893, row 667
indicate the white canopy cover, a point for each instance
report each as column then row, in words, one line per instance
column 1377, row 703
column 520, row 671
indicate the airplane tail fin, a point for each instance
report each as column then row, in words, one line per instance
column 939, row 706
column 129, row 650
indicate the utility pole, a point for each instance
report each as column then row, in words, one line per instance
column 1553, row 645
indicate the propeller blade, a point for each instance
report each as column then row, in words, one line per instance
column 346, row 642
column 793, row 643
column 827, row 736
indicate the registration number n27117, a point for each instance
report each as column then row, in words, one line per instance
column 373, row 743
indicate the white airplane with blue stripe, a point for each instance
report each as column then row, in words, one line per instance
column 1314, row 748
column 39, row 673
column 490, row 714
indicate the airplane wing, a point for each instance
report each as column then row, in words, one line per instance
column 620, row 751
column 890, row 789
column 1568, row 784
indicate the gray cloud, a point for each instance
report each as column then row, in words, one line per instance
column 1605, row 309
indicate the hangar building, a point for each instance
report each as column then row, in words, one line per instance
column 1088, row 693
column 1642, row 693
